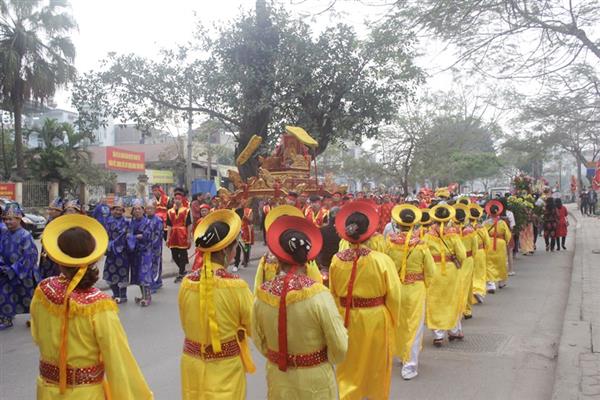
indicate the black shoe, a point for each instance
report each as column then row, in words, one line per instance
column 178, row 279
column 468, row 316
column 564, row 247
column 438, row 342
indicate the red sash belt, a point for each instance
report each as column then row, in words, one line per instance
column 75, row 376
column 194, row 349
column 412, row 277
column 469, row 253
column 300, row 360
column 358, row 302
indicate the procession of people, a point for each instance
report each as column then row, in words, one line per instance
column 349, row 284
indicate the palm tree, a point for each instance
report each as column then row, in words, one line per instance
column 36, row 56
column 60, row 154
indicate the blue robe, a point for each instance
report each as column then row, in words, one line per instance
column 102, row 214
column 157, row 247
column 18, row 272
column 140, row 251
column 47, row 267
column 116, row 266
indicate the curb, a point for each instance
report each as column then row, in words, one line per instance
column 575, row 337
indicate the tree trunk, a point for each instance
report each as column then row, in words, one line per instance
column 18, row 114
column 4, row 159
column 188, row 160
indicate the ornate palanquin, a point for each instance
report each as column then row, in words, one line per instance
column 287, row 169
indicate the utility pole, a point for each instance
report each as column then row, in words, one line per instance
column 188, row 161
column 209, row 157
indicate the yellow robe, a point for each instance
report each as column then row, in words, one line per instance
column 480, row 264
column 219, row 378
column 95, row 335
column 468, row 238
column 367, row 370
column 412, row 312
column 497, row 258
column 268, row 267
column 444, row 296
column 313, row 323
column 376, row 242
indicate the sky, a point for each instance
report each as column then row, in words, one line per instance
column 144, row 26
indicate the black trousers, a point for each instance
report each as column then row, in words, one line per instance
column 238, row 252
column 180, row 256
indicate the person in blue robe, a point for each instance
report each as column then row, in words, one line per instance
column 102, row 212
column 139, row 247
column 74, row 206
column 18, row 267
column 116, row 265
column 48, row 267
column 157, row 228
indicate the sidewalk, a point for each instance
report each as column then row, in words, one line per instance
column 578, row 367
column 170, row 269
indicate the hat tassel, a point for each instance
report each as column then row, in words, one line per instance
column 64, row 331
column 405, row 255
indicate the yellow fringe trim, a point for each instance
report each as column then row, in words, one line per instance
column 75, row 309
column 292, row 297
column 219, row 283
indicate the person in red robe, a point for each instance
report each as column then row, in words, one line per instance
column 385, row 212
column 563, row 223
column 246, row 213
column 179, row 232
column 266, row 208
column 162, row 205
column 315, row 213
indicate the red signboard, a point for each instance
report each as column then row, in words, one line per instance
column 7, row 191
column 123, row 160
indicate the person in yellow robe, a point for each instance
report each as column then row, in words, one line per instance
column 84, row 353
column 500, row 235
column 268, row 265
column 215, row 308
column 296, row 324
column 444, row 296
column 366, row 288
column 480, row 264
column 416, row 269
column 468, row 237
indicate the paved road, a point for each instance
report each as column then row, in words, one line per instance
column 509, row 351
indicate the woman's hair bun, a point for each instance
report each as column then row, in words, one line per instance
column 356, row 225
column 442, row 213
column 213, row 235
column 408, row 216
column 296, row 244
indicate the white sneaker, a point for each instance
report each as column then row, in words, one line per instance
column 512, row 273
column 234, row 269
column 409, row 372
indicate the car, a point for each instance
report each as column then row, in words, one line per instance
column 34, row 223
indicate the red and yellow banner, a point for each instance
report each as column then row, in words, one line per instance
column 8, row 191
column 123, row 160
